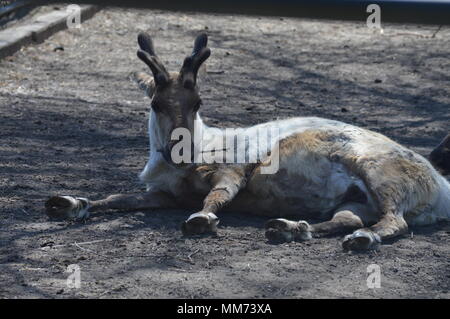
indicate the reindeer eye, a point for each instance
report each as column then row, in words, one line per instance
column 197, row 106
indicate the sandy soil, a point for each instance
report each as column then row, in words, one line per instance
column 72, row 123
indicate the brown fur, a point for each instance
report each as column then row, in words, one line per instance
column 313, row 141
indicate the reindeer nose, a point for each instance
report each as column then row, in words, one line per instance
column 167, row 152
column 170, row 145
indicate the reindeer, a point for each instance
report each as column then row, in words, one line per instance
column 358, row 182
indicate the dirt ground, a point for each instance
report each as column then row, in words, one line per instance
column 73, row 123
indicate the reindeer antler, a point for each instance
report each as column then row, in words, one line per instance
column 148, row 56
column 191, row 64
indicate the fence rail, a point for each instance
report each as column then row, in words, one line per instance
column 7, row 7
column 402, row 11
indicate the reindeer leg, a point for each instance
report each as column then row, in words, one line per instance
column 206, row 220
column 282, row 230
column 390, row 225
column 348, row 217
column 68, row 207
column 226, row 185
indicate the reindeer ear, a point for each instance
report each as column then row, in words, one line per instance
column 144, row 81
column 191, row 64
column 148, row 56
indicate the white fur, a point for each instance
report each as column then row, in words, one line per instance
column 157, row 173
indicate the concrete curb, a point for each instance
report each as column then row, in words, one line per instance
column 38, row 29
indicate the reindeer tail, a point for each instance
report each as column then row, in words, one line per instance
column 440, row 156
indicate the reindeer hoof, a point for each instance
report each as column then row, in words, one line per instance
column 361, row 240
column 67, row 207
column 200, row 223
column 283, row 230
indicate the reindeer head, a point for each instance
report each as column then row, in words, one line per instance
column 174, row 95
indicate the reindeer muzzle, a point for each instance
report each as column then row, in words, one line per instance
column 177, row 158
